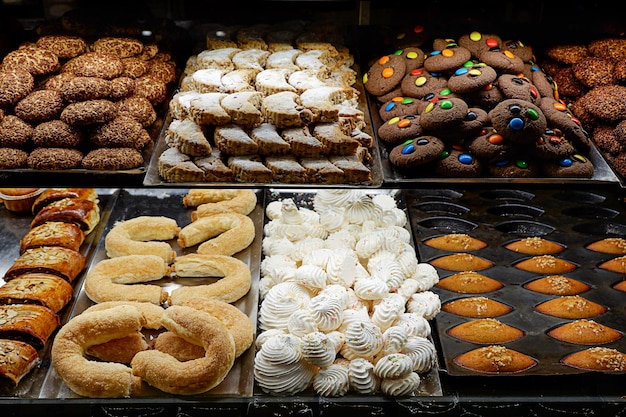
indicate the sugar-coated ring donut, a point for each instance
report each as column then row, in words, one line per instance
column 108, row 279
column 235, row 277
column 143, row 235
column 196, row 376
column 211, row 201
column 218, row 234
column 234, row 319
column 92, row 378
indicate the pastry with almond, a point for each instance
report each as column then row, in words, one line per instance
column 597, row 358
column 546, row 264
column 458, row 242
column 488, row 331
column 557, row 285
column 535, row 246
column 461, row 262
column 585, row 332
column 495, row 359
column 469, row 282
column 476, row 307
column 571, row 307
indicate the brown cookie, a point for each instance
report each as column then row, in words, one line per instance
column 503, row 61
column 63, row 46
column 400, row 107
column 12, row 158
column 57, row 134
column 112, row 159
column 419, row 83
column 567, row 54
column 37, row 61
column 14, row 132
column 478, row 42
column 40, row 106
column 458, row 163
column 15, row 84
column 54, row 159
column 95, row 64
column 399, row 129
column 417, row 151
column 385, row 74
column 521, row 88
column 519, row 121
column 447, row 59
column 90, row 112
column 594, row 72
column 468, row 79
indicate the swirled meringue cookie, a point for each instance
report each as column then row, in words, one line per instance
column 318, row 349
column 387, row 269
column 281, row 301
column 363, row 340
column 414, row 324
column 279, row 367
column 363, row 209
column 278, row 268
column 354, row 315
column 371, row 288
column 334, row 198
column 394, row 339
column 266, row 335
column 326, row 311
column 401, row 387
column 422, row 352
column 293, row 232
column 290, row 213
column 387, row 310
column 311, row 276
column 368, row 244
column 408, row 263
column 302, row 247
column 426, row 303
column 342, row 267
column 408, row 287
column 361, row 376
column 273, row 210
column 332, row 381
column 426, row 274
column 340, row 239
column 277, row 246
column 301, row 322
column 318, row 257
column 394, row 365
column 333, row 218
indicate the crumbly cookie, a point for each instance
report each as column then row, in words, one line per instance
column 63, row 46
column 399, row 129
column 611, row 48
column 568, row 84
column 163, row 70
column 384, row 75
column 57, row 134
column 122, row 47
column 14, row 132
column 90, row 112
column 606, row 103
column 419, row 83
column 11, row 158
column 40, row 106
column 112, row 159
column 121, row 87
column 519, row 121
column 567, row 53
column 82, row 88
column 152, row 88
column 458, row 163
column 594, row 72
column 415, row 152
column 135, row 67
column 15, row 84
column 121, row 132
column 53, row 159
column 37, row 61
column 607, row 140
column 138, row 108
column 95, row 64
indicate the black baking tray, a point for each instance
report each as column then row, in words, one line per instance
column 169, row 203
column 574, row 217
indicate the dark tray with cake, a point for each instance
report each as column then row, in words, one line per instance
column 533, row 274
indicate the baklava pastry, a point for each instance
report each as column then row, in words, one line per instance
column 29, row 323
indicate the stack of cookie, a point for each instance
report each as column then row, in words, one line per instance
column 591, row 79
column 263, row 105
column 68, row 103
column 474, row 107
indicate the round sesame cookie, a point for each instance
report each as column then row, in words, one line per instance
column 112, row 159
column 384, row 75
column 95, row 64
column 15, row 84
column 63, row 46
column 121, row 132
column 163, row 70
column 606, row 103
column 40, row 106
column 57, row 81
column 152, row 88
column 90, row 112
column 122, row 47
column 81, row 88
column 54, row 159
column 613, row 49
column 14, row 132
column 121, row 87
column 37, row 61
column 607, row 140
column 567, row 84
column 11, row 158
column 139, row 108
column 135, row 67
column 57, row 134
column 567, row 54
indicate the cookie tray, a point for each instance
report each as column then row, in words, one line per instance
column 497, row 216
column 162, row 202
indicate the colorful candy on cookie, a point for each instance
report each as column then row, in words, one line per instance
column 417, row 151
column 573, row 166
column 419, row 83
column 478, row 42
column 518, row 121
column 399, row 129
column 471, row 77
column 490, row 146
column 458, row 162
column 503, row 61
column 400, row 106
column 446, row 59
column 443, row 112
column 518, row 87
column 385, row 74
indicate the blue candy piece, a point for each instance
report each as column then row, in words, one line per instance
column 516, row 123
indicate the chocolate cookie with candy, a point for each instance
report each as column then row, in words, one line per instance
column 399, row 129
column 552, row 145
column 385, row 74
column 471, row 77
column 472, row 124
column 519, row 121
column 514, row 167
column 417, row 151
column 525, row 52
column 489, row 146
column 419, row 83
column 487, row 97
column 399, row 107
column 414, row 36
column 503, row 61
column 543, row 82
column 447, row 59
column 443, row 113
column 413, row 56
column 560, row 117
column 457, row 162
column 478, row 42
column 514, row 86
column 573, row 166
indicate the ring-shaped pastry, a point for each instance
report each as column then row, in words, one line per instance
column 211, row 201
column 93, row 378
column 234, row 319
column 196, row 376
column 143, row 235
column 218, row 234
column 108, row 280
column 235, row 278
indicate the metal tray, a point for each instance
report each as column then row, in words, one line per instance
column 162, row 202
column 497, row 216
